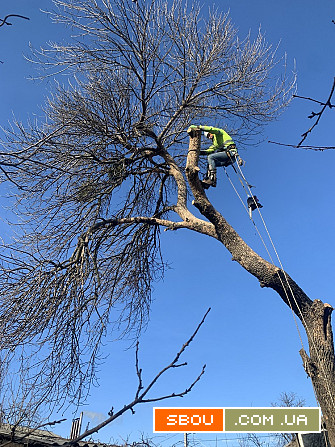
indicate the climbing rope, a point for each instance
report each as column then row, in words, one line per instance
column 247, row 188
column 269, row 254
column 252, row 220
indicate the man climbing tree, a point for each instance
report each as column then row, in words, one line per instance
column 222, row 152
column 104, row 170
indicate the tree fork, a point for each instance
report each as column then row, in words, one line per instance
column 315, row 315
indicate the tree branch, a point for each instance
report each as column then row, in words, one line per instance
column 140, row 396
column 4, row 21
column 313, row 148
column 318, row 114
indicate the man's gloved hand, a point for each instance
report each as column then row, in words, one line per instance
column 192, row 128
column 203, row 153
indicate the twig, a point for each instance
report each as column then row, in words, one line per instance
column 140, row 397
column 309, row 99
column 313, row 148
column 138, row 372
column 6, row 174
column 174, row 364
column 318, row 114
column 4, row 21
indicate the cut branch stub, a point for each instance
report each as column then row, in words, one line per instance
column 192, row 168
column 319, row 332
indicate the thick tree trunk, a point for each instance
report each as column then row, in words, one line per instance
column 315, row 315
column 319, row 365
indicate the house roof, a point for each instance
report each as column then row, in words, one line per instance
column 38, row 438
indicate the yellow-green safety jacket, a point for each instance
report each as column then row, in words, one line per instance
column 222, row 140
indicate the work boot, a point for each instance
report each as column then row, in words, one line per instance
column 206, row 183
column 210, row 179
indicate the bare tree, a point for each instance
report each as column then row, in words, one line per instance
column 254, row 440
column 288, row 400
column 97, row 179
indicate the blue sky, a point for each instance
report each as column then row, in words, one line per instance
column 249, row 342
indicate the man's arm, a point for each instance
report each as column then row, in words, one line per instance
column 220, row 133
column 213, row 130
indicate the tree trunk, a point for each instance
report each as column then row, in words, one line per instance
column 314, row 315
column 319, row 365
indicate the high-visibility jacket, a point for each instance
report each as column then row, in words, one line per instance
column 221, row 140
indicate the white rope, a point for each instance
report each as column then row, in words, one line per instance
column 252, row 220
column 269, row 254
column 284, row 288
column 295, row 301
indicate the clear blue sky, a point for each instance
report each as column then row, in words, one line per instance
column 249, row 342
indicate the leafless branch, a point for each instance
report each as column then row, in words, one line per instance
column 317, row 115
column 313, row 148
column 140, row 395
column 4, row 21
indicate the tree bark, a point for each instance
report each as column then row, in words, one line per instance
column 314, row 315
column 319, row 365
